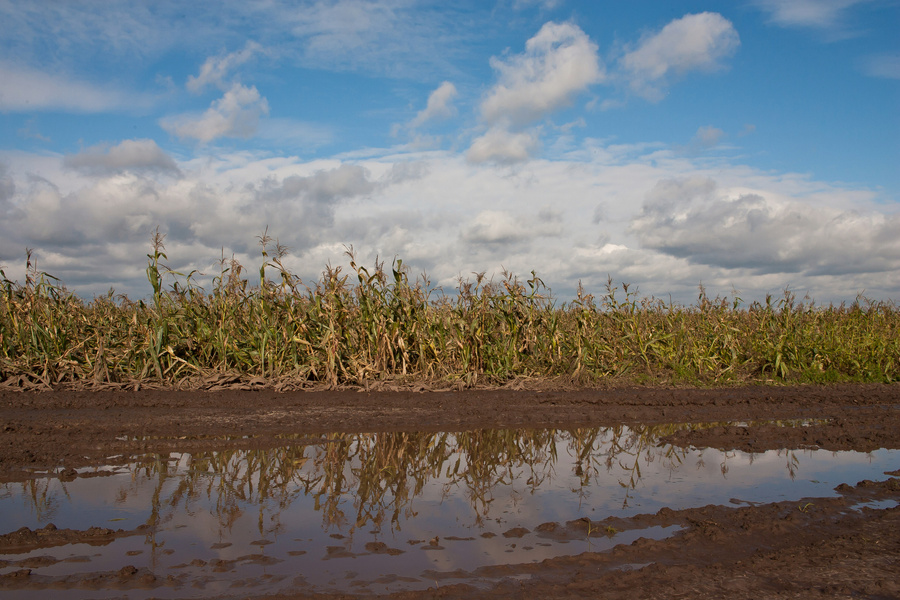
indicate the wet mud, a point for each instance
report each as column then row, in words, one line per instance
column 843, row 544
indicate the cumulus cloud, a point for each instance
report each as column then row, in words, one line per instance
column 129, row 155
column 821, row 14
column 309, row 202
column 105, row 212
column 694, row 219
column 559, row 63
column 103, row 227
column 440, row 106
column 696, row 42
column 236, row 114
column 501, row 146
column 216, row 68
column 26, row 89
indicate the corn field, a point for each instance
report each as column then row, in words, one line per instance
column 376, row 326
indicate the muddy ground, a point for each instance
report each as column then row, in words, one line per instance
column 820, row 547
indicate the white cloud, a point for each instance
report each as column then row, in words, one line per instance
column 345, row 24
column 72, row 34
column 392, row 37
column 709, row 135
column 215, row 69
column 543, row 4
column 559, row 63
column 440, row 106
column 504, row 227
column 26, row 89
column 500, row 146
column 886, row 66
column 692, row 43
column 292, row 134
column 236, row 114
column 129, row 155
column 30, row 131
column 820, row 14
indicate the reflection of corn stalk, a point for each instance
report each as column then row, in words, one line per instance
column 624, row 447
column 37, row 494
column 381, row 474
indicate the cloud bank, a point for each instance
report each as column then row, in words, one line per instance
column 695, row 220
column 656, row 220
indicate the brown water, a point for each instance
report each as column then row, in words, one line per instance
column 388, row 511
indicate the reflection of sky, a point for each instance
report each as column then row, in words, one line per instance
column 189, row 520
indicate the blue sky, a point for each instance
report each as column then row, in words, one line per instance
column 748, row 145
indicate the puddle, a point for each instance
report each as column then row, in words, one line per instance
column 384, row 512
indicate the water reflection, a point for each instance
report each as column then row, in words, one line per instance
column 372, row 480
column 444, row 501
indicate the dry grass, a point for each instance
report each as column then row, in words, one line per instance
column 373, row 326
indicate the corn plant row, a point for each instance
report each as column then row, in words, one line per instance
column 377, row 325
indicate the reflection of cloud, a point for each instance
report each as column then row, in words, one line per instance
column 692, row 43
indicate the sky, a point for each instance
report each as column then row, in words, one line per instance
column 747, row 146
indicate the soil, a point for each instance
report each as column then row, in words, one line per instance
column 818, row 547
